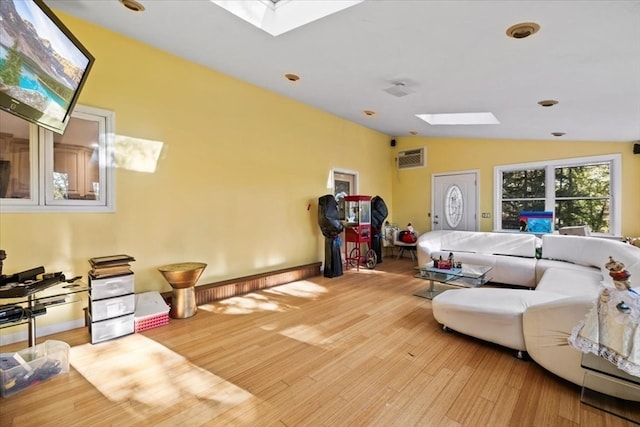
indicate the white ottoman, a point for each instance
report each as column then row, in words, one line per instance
column 490, row 314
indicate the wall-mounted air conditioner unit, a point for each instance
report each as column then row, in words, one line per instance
column 414, row 158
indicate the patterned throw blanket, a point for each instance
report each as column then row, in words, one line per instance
column 612, row 329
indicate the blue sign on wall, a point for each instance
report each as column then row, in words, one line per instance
column 536, row 222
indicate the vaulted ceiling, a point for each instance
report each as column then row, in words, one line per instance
column 400, row 58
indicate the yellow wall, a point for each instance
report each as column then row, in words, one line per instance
column 412, row 187
column 238, row 168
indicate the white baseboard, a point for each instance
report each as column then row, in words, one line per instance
column 41, row 331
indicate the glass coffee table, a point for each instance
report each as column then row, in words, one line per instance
column 467, row 276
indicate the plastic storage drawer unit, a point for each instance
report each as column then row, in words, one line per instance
column 111, row 328
column 111, row 286
column 112, row 307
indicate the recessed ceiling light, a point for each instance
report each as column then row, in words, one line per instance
column 522, row 30
column 459, row 119
column 369, row 112
column 132, row 5
column 548, row 102
column 557, row 133
column 291, row 77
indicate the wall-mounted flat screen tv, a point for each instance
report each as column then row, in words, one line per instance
column 42, row 65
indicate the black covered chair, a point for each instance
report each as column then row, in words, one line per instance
column 331, row 227
column 379, row 213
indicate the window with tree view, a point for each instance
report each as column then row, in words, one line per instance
column 583, row 196
column 522, row 190
column 578, row 192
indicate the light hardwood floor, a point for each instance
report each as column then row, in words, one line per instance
column 355, row 350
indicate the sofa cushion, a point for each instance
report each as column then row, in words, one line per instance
column 490, row 314
column 513, row 244
column 506, row 269
column 571, row 282
column 546, row 330
column 515, row 271
column 542, row 265
column 592, row 251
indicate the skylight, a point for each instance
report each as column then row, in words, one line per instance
column 279, row 16
column 459, row 119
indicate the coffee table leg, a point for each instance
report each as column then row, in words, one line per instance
column 433, row 291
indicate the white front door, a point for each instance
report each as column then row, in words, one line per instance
column 455, row 201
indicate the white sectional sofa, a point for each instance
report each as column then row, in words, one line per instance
column 558, row 290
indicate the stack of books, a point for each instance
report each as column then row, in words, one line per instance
column 112, row 265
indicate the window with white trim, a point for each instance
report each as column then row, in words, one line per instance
column 580, row 191
column 343, row 183
column 41, row 171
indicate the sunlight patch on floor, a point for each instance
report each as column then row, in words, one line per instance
column 244, row 304
column 267, row 299
column 300, row 289
column 150, row 380
column 304, row 333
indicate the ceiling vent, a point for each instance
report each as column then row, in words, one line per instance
column 414, row 158
column 398, row 90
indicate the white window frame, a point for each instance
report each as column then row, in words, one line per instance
column 354, row 191
column 354, row 174
column 41, row 159
column 615, row 161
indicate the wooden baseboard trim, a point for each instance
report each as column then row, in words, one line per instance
column 243, row 285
